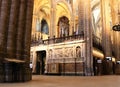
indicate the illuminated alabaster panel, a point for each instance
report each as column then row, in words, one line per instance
column 66, row 51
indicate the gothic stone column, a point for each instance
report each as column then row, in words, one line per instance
column 15, row 32
column 27, row 39
column 4, row 20
column 85, row 26
column 53, row 25
column 11, row 37
column 21, row 28
column 107, row 64
column 114, row 12
column 115, row 20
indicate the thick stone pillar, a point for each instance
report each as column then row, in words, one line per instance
column 12, row 28
column 20, row 38
column 81, row 15
column 53, row 26
column 85, row 26
column 27, row 39
column 106, row 27
column 21, row 29
column 4, row 20
column 106, row 34
column 117, row 46
column 28, row 27
column 115, row 20
column 15, row 37
column 115, row 8
column 0, row 5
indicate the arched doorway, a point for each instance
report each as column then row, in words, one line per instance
column 40, row 63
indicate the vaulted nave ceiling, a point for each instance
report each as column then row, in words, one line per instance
column 62, row 9
column 48, row 9
column 42, row 8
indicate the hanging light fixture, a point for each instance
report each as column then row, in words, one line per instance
column 117, row 26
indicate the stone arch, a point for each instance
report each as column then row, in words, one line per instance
column 44, row 27
column 66, row 7
column 63, row 26
column 64, row 10
column 40, row 4
column 41, row 11
column 66, row 4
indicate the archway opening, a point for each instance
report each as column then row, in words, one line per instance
column 40, row 63
column 44, row 27
column 63, row 26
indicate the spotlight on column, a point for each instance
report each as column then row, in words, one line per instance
column 116, row 27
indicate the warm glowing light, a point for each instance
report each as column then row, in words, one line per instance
column 96, row 13
column 113, row 59
column 97, row 53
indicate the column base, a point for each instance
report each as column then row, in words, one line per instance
column 15, row 72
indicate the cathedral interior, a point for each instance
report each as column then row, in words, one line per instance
column 75, row 37
column 58, row 37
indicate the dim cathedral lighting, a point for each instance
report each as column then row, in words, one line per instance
column 58, row 37
column 69, row 37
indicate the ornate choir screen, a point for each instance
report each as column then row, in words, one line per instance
column 66, row 59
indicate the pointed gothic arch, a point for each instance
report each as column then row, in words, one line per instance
column 63, row 26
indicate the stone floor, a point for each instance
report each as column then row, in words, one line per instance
column 68, row 81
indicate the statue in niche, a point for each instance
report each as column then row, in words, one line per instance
column 50, row 53
column 78, row 52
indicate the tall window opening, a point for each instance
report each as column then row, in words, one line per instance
column 44, row 27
